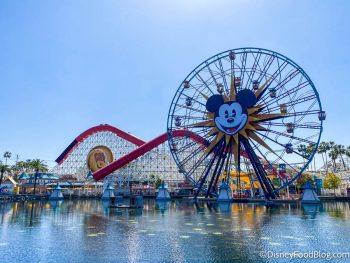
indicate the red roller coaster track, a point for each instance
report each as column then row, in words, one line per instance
column 143, row 147
column 117, row 164
column 100, row 128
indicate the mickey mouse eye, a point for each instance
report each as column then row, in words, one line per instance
column 226, row 113
column 233, row 112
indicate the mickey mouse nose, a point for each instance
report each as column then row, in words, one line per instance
column 230, row 120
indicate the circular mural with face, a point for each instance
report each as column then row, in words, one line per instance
column 99, row 157
column 231, row 115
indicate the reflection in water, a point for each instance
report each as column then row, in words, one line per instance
column 224, row 206
column 310, row 209
column 162, row 205
column 170, row 231
column 55, row 204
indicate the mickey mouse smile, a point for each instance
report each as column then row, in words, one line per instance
column 230, row 118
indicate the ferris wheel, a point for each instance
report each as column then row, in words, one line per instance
column 255, row 110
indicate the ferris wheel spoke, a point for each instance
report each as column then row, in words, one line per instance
column 287, row 115
column 291, row 104
column 290, row 136
column 288, row 93
column 185, row 147
column 270, row 80
column 243, row 59
column 303, row 113
column 195, row 100
column 198, row 76
column 232, row 76
column 307, row 110
column 199, row 162
column 189, row 148
column 186, row 108
column 269, row 162
column 211, row 73
column 302, row 126
column 252, row 72
column 280, row 144
column 269, row 117
column 266, row 68
column 257, row 147
column 184, row 117
column 223, row 76
column 191, row 155
column 285, row 81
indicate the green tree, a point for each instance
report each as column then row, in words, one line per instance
column 276, row 181
column 309, row 151
column 158, row 182
column 28, row 165
column 323, row 148
column 4, row 168
column 331, row 181
column 341, row 151
column 17, row 169
column 347, row 153
column 38, row 166
column 302, row 149
column 303, row 179
column 333, row 154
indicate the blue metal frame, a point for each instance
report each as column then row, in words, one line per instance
column 224, row 54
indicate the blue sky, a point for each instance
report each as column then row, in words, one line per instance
column 68, row 65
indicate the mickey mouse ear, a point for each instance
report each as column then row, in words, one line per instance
column 246, row 98
column 214, row 103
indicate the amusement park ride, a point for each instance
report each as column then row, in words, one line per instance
column 236, row 119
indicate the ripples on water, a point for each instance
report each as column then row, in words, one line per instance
column 176, row 231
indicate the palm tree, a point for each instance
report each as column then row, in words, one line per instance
column 341, row 150
column 302, row 149
column 309, row 150
column 21, row 166
column 38, row 165
column 323, row 148
column 347, row 153
column 4, row 168
column 7, row 155
column 333, row 154
column 17, row 168
column 28, row 165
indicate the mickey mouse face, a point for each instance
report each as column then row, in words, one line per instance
column 230, row 119
column 231, row 116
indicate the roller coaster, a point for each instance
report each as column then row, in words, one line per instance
column 133, row 158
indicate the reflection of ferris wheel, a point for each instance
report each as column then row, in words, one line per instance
column 255, row 109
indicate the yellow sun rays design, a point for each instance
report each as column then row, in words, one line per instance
column 248, row 131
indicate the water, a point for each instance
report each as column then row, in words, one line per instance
column 176, row 231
